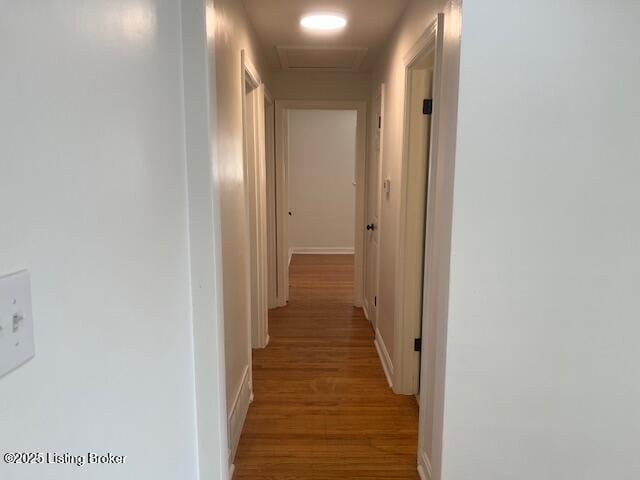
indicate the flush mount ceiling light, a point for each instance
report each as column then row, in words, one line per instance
column 323, row 22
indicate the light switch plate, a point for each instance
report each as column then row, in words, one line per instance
column 16, row 322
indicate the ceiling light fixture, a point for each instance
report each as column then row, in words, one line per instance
column 324, row 22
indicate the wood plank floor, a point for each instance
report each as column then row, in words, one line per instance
column 322, row 408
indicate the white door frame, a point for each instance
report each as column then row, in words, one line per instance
column 409, row 254
column 282, row 141
column 253, row 120
column 282, row 212
column 272, row 215
column 437, row 250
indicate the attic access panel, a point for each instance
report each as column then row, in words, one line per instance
column 334, row 59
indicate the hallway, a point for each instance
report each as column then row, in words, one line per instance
column 322, row 407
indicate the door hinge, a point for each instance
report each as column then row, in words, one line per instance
column 427, row 106
column 379, row 121
column 375, row 301
column 417, row 345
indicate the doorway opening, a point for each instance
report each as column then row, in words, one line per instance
column 424, row 241
column 321, row 180
column 415, row 186
column 320, row 168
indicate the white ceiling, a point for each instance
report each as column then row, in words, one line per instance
column 277, row 23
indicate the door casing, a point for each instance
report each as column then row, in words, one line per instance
column 256, row 192
column 270, row 165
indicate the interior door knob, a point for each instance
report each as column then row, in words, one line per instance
column 371, row 226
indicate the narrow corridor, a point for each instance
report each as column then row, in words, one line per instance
column 322, row 408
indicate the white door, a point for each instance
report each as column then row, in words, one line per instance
column 374, row 188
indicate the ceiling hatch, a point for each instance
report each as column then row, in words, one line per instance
column 335, row 59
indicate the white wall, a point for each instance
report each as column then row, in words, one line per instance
column 542, row 368
column 322, row 158
column 230, row 32
column 93, row 196
column 205, row 241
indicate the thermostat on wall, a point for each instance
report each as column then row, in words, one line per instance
column 16, row 322
column 387, row 186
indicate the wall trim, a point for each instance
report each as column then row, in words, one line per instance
column 438, row 237
column 423, row 44
column 322, row 250
column 238, row 413
column 424, row 467
column 232, row 470
column 385, row 358
column 272, row 207
column 254, row 155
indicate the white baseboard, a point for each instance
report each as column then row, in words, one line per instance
column 232, row 470
column 264, row 343
column 322, row 250
column 238, row 413
column 385, row 359
column 424, row 467
column 365, row 309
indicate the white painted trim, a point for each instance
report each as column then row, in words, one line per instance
column 268, row 97
column 322, row 250
column 424, row 44
column 282, row 129
column 272, row 214
column 424, row 467
column 409, row 259
column 385, row 358
column 232, row 470
column 422, row 473
column 249, row 70
column 282, row 203
column 290, row 257
column 255, row 173
column 238, row 412
column 438, row 234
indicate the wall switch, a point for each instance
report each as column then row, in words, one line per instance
column 16, row 322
